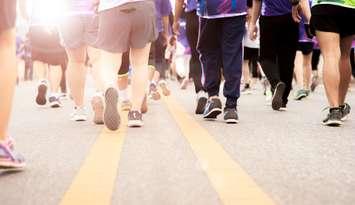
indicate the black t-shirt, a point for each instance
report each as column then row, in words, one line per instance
column 331, row 10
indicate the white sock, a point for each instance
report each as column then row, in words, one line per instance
column 123, row 95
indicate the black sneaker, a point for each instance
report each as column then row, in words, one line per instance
column 54, row 102
column 231, row 116
column 333, row 118
column 112, row 118
column 213, row 108
column 41, row 94
column 201, row 104
column 135, row 119
column 345, row 109
column 277, row 97
column 283, row 107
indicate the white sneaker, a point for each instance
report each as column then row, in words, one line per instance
column 79, row 114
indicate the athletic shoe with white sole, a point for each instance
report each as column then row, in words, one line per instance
column 97, row 105
column 9, row 160
column 333, row 118
column 345, row 109
column 79, row 114
column 54, row 102
column 135, row 119
column 41, row 98
column 231, row 116
column 277, row 97
column 213, row 109
column 112, row 118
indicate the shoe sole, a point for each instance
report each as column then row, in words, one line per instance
column 213, row 113
column 277, row 98
column 135, row 123
column 54, row 105
column 231, row 121
column 333, row 123
column 111, row 115
column 301, row 97
column 98, row 107
column 79, row 119
column 41, row 95
column 201, row 103
column 10, row 166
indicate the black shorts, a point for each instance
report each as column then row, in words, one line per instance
column 335, row 19
column 305, row 47
column 251, row 53
column 7, row 14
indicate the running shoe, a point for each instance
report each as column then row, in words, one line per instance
column 153, row 92
column 135, row 119
column 213, row 109
column 126, row 105
column 201, row 103
column 54, row 102
column 79, row 114
column 277, row 97
column 345, row 109
column 333, row 118
column 246, row 90
column 231, row 116
column 97, row 105
column 9, row 160
column 283, row 107
column 163, row 85
column 42, row 88
column 111, row 116
column 300, row 94
column 314, row 83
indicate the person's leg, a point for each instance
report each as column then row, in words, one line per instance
column 344, row 67
column 123, row 81
column 299, row 69
column 307, row 70
column 96, row 70
column 352, row 61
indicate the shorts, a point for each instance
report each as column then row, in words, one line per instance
column 305, row 47
column 335, row 19
column 45, row 46
column 79, row 30
column 251, row 53
column 7, row 14
column 131, row 25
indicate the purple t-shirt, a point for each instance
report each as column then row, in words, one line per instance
column 221, row 8
column 191, row 5
column 275, row 7
column 163, row 8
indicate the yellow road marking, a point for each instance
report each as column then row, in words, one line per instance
column 233, row 185
column 95, row 180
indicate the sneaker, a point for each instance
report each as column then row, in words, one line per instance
column 111, row 116
column 10, row 142
column 231, row 116
column 153, row 92
column 213, row 108
column 277, row 97
column 144, row 108
column 246, row 90
column 345, row 109
column 135, row 119
column 9, row 160
column 79, row 114
column 283, row 107
column 300, row 94
column 126, row 105
column 314, row 83
column 54, row 102
column 164, row 87
column 97, row 105
column 42, row 88
column 333, row 118
column 201, row 103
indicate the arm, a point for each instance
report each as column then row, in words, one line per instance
column 23, row 9
column 178, row 11
column 165, row 20
column 298, row 7
column 255, row 13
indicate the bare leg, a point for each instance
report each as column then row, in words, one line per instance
column 246, row 71
column 110, row 63
column 344, row 68
column 307, row 71
column 54, row 77
column 95, row 55
column 298, row 69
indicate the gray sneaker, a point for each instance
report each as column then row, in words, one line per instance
column 135, row 119
column 112, row 118
column 231, row 116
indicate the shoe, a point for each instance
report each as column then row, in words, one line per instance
column 345, row 109
column 153, row 92
column 54, row 102
column 41, row 99
column 314, row 83
column 231, row 116
column 277, row 97
column 10, row 142
column 333, row 118
column 213, row 108
column 300, row 94
column 97, row 105
column 283, row 107
column 9, row 160
column 135, row 119
column 164, row 87
column 79, row 114
column 246, row 90
column 201, row 103
column 144, row 108
column 111, row 116
column 126, row 105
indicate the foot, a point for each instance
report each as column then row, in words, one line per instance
column 54, row 102
column 201, row 103
column 153, row 92
column 246, row 90
column 135, row 119
column 213, row 108
column 9, row 160
column 302, row 93
column 111, row 116
column 163, row 85
column 231, row 116
column 333, row 118
column 97, row 105
column 79, row 114
column 277, row 97
column 126, row 105
column 345, row 109
column 42, row 88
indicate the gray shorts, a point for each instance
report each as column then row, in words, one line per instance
column 79, row 30
column 131, row 25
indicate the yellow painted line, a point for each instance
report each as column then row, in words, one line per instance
column 233, row 185
column 96, row 178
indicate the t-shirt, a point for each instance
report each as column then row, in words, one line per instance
column 79, row 6
column 221, row 8
column 163, row 8
column 109, row 4
column 343, row 3
column 191, row 5
column 275, row 7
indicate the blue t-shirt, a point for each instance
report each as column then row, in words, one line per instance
column 191, row 5
column 221, row 8
column 163, row 8
column 275, row 7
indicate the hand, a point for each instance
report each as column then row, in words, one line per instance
column 296, row 10
column 253, row 31
column 176, row 28
column 308, row 30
